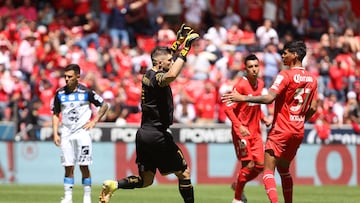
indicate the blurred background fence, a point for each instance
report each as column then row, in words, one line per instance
column 208, row 149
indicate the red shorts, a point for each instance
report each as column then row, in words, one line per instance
column 284, row 145
column 254, row 149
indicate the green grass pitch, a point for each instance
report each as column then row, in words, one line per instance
column 169, row 194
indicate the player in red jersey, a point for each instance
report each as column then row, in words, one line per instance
column 295, row 94
column 246, row 132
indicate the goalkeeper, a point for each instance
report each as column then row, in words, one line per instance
column 155, row 148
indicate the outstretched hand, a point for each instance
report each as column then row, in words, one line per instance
column 233, row 96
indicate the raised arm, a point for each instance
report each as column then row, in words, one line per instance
column 178, row 65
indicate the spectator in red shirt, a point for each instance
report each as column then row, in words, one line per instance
column 234, row 37
column 13, row 36
column 118, row 62
column 8, row 12
column 4, row 101
column 336, row 84
column 347, row 64
column 165, row 36
column 249, row 38
column 133, row 97
column 81, row 9
column 66, row 5
column 206, row 106
column 28, row 11
column 322, row 128
column 330, row 116
column 254, row 12
column 46, row 95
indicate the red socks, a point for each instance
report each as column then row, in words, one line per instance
column 245, row 176
column 241, row 181
column 287, row 184
column 270, row 186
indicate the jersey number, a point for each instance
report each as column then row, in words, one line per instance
column 302, row 96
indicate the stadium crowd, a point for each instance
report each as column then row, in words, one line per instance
column 111, row 41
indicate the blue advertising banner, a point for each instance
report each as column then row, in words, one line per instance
column 216, row 133
column 214, row 163
column 7, row 131
column 219, row 133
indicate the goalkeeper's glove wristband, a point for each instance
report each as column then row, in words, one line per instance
column 183, row 53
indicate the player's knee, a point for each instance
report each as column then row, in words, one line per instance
column 69, row 171
column 249, row 164
column 259, row 167
column 283, row 171
column 183, row 174
column 85, row 171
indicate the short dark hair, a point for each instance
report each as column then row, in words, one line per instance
column 74, row 67
column 159, row 50
column 250, row 57
column 297, row 47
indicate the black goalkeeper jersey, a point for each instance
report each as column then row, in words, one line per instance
column 156, row 102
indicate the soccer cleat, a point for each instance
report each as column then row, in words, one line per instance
column 108, row 188
column 64, row 200
column 243, row 197
column 237, row 201
column 233, row 185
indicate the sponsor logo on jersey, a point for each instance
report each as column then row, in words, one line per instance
column 81, row 97
column 297, row 118
column 301, row 78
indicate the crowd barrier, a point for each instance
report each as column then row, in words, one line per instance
column 210, row 133
column 208, row 150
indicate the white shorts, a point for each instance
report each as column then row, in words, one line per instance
column 76, row 148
